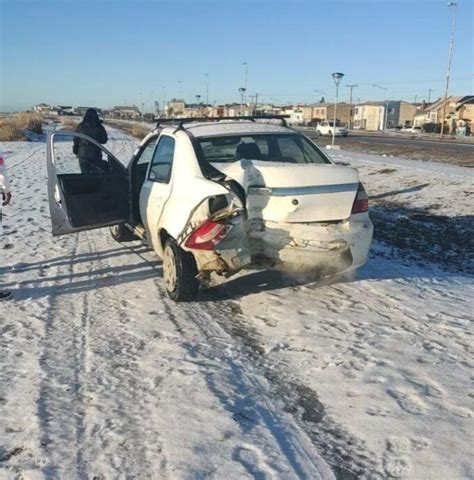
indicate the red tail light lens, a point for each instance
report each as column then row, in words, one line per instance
column 208, row 235
column 361, row 202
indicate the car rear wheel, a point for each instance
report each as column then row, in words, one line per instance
column 121, row 233
column 179, row 273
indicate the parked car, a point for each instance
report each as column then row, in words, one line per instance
column 326, row 127
column 217, row 196
column 410, row 129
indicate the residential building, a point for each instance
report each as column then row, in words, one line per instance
column 465, row 112
column 399, row 114
column 457, row 111
column 295, row 114
column 125, row 112
column 42, row 108
column 325, row 111
column 176, row 107
column 66, row 110
column 440, row 107
column 421, row 117
column 195, row 110
column 369, row 116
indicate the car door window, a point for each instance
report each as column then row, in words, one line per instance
column 147, row 152
column 161, row 164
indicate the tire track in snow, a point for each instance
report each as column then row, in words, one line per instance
column 119, row 387
column 348, row 457
column 14, row 165
column 240, row 389
column 62, row 359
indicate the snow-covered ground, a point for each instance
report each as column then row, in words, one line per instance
column 267, row 375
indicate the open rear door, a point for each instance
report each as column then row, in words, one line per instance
column 87, row 189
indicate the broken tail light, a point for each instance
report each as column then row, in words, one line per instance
column 361, row 202
column 208, row 235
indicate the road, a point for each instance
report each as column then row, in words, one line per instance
column 414, row 148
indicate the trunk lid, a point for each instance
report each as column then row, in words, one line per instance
column 295, row 193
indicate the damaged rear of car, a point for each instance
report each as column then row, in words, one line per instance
column 287, row 205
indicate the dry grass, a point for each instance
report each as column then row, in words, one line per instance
column 9, row 132
column 70, row 122
column 13, row 128
column 139, row 131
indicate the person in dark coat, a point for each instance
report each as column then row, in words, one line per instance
column 90, row 156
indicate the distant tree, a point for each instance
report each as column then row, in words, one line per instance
column 322, row 100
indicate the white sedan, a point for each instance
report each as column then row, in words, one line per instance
column 327, row 127
column 217, row 196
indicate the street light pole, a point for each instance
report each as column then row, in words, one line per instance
column 246, row 72
column 337, row 77
column 448, row 72
column 207, row 88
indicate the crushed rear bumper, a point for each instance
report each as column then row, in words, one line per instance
column 332, row 247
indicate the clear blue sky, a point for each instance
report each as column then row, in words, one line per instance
column 109, row 52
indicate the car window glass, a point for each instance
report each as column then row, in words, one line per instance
column 147, row 152
column 271, row 148
column 160, row 170
column 291, row 150
column 226, row 149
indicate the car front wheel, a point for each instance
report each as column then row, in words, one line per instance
column 179, row 272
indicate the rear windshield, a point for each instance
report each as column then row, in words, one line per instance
column 291, row 148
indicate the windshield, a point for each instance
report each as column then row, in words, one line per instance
column 291, row 148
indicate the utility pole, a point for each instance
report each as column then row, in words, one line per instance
column 207, row 88
column 416, row 98
column 242, row 93
column 246, row 73
column 256, row 104
column 448, row 72
column 350, row 104
column 429, row 95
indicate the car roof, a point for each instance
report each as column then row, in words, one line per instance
column 233, row 127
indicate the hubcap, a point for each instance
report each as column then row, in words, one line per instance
column 169, row 269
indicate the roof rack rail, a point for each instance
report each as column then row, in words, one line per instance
column 181, row 121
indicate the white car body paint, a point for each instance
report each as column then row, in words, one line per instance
column 326, row 128
column 297, row 214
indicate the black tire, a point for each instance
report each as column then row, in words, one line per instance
column 318, row 133
column 179, row 273
column 120, row 233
